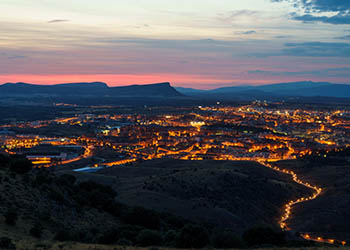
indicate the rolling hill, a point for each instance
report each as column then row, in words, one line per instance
column 233, row 195
column 43, row 210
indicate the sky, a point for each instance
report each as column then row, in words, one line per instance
column 190, row 43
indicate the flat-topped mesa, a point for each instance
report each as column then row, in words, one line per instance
column 94, row 89
column 155, row 89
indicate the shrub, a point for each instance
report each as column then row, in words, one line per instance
column 36, row 231
column 6, row 243
column 95, row 195
column 149, row 238
column 192, row 236
column 42, row 177
column 115, row 208
column 173, row 221
column 20, row 165
column 263, row 235
column 109, row 237
column 226, row 239
column 169, row 238
column 82, row 235
column 66, row 180
column 4, row 160
column 142, row 217
column 124, row 242
column 90, row 186
column 11, row 217
column 129, row 232
column 56, row 194
column 63, row 235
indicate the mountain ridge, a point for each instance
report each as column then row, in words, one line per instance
column 302, row 89
column 96, row 89
column 166, row 90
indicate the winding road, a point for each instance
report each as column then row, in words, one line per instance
column 87, row 154
column 289, row 206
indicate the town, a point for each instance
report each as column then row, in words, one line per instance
column 258, row 132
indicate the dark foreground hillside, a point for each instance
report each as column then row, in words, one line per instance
column 38, row 204
column 40, row 210
column 234, row 195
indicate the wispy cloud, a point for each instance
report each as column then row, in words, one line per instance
column 11, row 56
column 194, row 46
column 329, row 72
column 341, row 6
column 317, row 49
column 336, row 19
column 234, row 16
column 346, row 37
column 58, row 21
column 248, row 32
column 326, row 11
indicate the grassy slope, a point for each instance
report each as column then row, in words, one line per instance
column 328, row 215
column 33, row 202
column 38, row 203
column 237, row 195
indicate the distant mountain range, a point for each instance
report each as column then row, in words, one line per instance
column 164, row 91
column 295, row 89
column 93, row 89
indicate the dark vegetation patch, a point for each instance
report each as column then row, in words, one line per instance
column 62, row 208
column 229, row 195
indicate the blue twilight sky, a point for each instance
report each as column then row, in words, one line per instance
column 191, row 43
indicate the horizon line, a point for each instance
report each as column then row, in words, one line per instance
column 170, row 83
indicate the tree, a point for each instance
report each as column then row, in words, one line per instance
column 4, row 160
column 263, row 235
column 193, row 236
column 63, row 235
column 96, row 195
column 6, row 243
column 90, row 186
column 66, row 180
column 20, row 165
column 169, row 238
column 11, row 217
column 142, row 217
column 226, row 239
column 109, row 236
column 149, row 238
column 36, row 231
